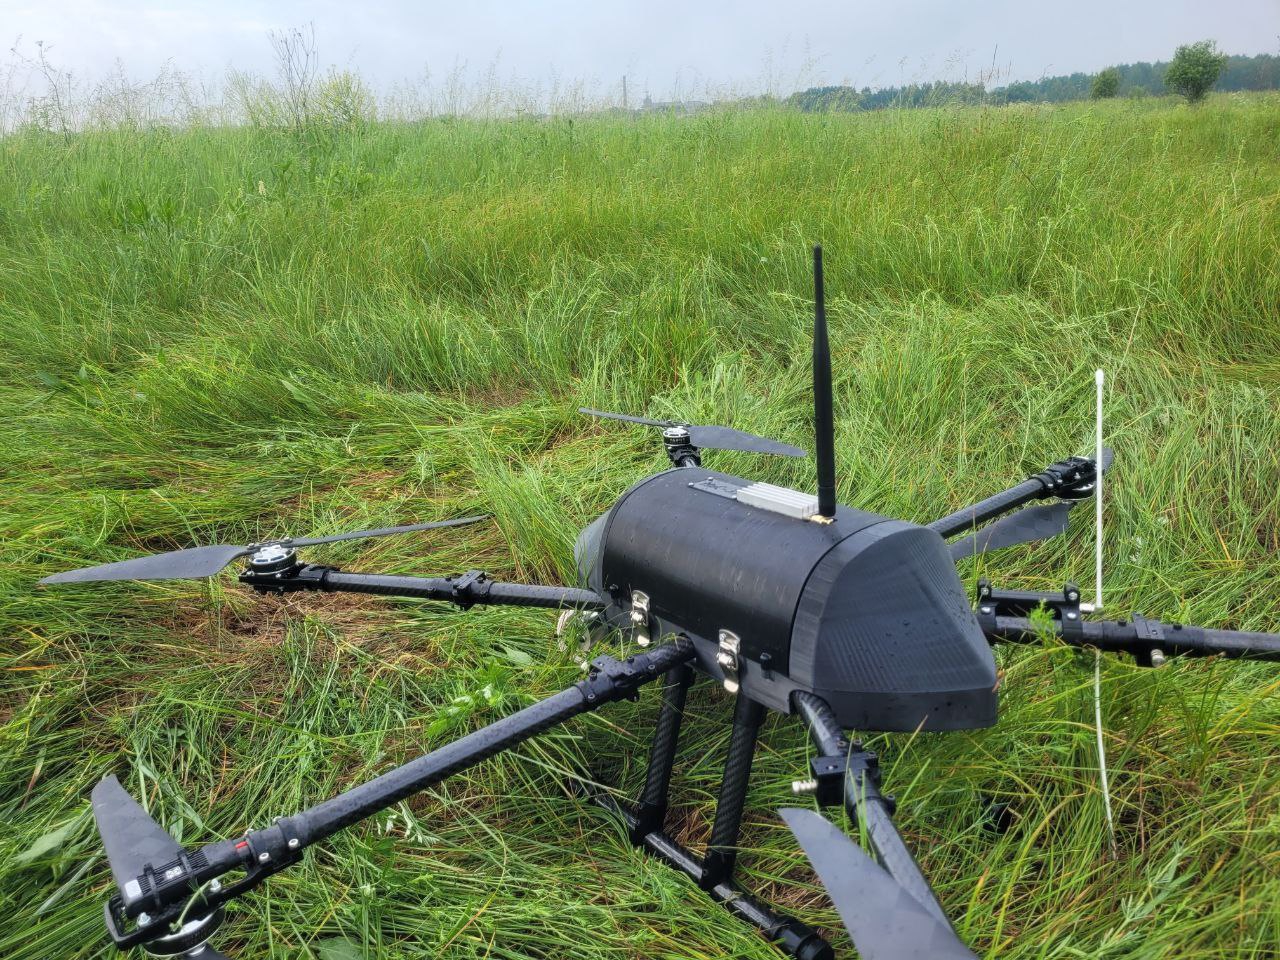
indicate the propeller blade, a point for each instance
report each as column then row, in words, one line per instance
column 1026, row 526
column 193, row 563
column 711, row 437
column 130, row 837
column 196, row 563
column 383, row 531
column 884, row 921
column 627, row 417
column 727, row 438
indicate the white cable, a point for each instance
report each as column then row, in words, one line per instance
column 1099, row 377
column 1102, row 753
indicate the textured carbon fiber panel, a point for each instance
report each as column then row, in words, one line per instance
column 710, row 563
column 885, row 633
column 867, row 612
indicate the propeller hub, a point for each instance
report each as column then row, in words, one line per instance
column 681, row 450
column 273, row 558
column 189, row 940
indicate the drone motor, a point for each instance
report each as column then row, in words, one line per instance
column 274, row 558
column 190, row 940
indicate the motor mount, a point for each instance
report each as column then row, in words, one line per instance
column 189, row 940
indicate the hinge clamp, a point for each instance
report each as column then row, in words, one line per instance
column 640, row 617
column 1064, row 606
column 727, row 657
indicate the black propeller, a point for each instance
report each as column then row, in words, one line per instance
column 1025, row 526
column 710, row 438
column 130, row 837
column 1107, row 456
column 1028, row 525
column 133, row 841
column 884, row 921
column 195, row 563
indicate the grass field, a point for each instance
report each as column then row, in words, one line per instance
column 230, row 333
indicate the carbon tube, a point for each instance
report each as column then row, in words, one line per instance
column 870, row 809
column 1174, row 639
column 368, row 798
column 342, row 811
column 966, row 518
column 483, row 592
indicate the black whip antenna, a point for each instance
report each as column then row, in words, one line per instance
column 824, row 430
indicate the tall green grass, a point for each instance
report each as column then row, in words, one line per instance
column 218, row 333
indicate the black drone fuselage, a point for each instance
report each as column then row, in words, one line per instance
column 863, row 610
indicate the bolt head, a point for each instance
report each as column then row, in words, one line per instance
column 264, row 857
column 293, row 843
column 1072, row 615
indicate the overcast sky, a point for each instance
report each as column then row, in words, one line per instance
column 662, row 46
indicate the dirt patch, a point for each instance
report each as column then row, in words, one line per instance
column 497, row 394
column 372, row 479
column 252, row 621
column 9, row 705
column 251, row 630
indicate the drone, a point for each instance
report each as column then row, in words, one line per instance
column 845, row 619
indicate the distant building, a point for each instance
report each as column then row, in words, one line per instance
column 672, row 106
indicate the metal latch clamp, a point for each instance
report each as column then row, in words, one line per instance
column 640, row 617
column 727, row 658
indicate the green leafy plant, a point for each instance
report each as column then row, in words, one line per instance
column 1194, row 70
column 1105, row 85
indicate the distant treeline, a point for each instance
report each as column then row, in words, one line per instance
column 1136, row 80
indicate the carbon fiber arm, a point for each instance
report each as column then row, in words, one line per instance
column 1140, row 637
column 261, row 853
column 1070, row 479
column 967, row 518
column 466, row 590
column 858, row 787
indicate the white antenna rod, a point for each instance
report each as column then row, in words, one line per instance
column 1102, row 751
column 1099, row 378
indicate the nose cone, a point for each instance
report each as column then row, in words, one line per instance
column 587, row 553
column 885, row 633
